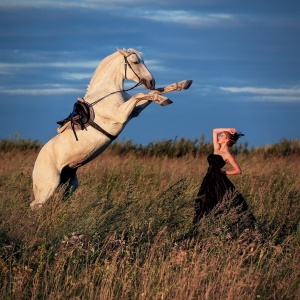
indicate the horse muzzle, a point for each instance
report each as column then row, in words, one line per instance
column 148, row 84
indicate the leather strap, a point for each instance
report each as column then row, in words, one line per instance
column 97, row 127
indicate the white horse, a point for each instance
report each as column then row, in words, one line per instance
column 103, row 114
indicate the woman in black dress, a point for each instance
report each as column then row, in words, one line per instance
column 216, row 184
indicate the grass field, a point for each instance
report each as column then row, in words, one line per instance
column 127, row 232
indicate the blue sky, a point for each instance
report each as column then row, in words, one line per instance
column 243, row 58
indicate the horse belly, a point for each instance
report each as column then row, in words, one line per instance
column 67, row 151
column 81, row 159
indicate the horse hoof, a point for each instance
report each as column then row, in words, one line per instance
column 187, row 84
column 166, row 102
column 35, row 207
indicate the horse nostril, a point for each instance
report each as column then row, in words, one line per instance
column 149, row 84
column 152, row 84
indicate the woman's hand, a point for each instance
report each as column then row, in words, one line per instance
column 232, row 130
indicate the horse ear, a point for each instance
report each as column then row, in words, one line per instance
column 123, row 52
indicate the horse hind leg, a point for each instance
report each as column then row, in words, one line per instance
column 68, row 176
column 45, row 179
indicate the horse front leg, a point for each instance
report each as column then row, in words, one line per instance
column 154, row 97
column 177, row 86
column 132, row 107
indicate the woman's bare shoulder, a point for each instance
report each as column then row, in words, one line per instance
column 226, row 156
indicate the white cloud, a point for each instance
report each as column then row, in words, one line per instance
column 92, row 4
column 35, row 92
column 268, row 94
column 262, row 91
column 155, row 65
column 92, row 64
column 186, row 17
column 133, row 8
column 56, row 89
column 67, row 64
column 75, row 76
column 278, row 98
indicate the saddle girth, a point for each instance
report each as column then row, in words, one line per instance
column 82, row 116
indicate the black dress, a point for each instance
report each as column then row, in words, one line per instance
column 214, row 187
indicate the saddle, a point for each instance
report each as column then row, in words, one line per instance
column 80, row 118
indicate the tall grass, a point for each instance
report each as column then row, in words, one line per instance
column 127, row 232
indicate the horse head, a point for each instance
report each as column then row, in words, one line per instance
column 136, row 70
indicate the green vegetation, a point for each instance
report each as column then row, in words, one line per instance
column 127, row 232
column 175, row 148
column 19, row 143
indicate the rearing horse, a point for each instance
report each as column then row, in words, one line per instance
column 112, row 108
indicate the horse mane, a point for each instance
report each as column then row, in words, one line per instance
column 102, row 66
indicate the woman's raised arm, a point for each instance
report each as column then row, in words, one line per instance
column 216, row 131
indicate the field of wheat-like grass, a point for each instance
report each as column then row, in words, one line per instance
column 127, row 231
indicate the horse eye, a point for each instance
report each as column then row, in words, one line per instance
column 136, row 62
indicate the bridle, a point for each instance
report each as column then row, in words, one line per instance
column 129, row 65
column 120, row 91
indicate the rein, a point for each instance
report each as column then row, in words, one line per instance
column 119, row 91
column 86, row 113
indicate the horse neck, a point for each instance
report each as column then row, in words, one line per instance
column 107, row 78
